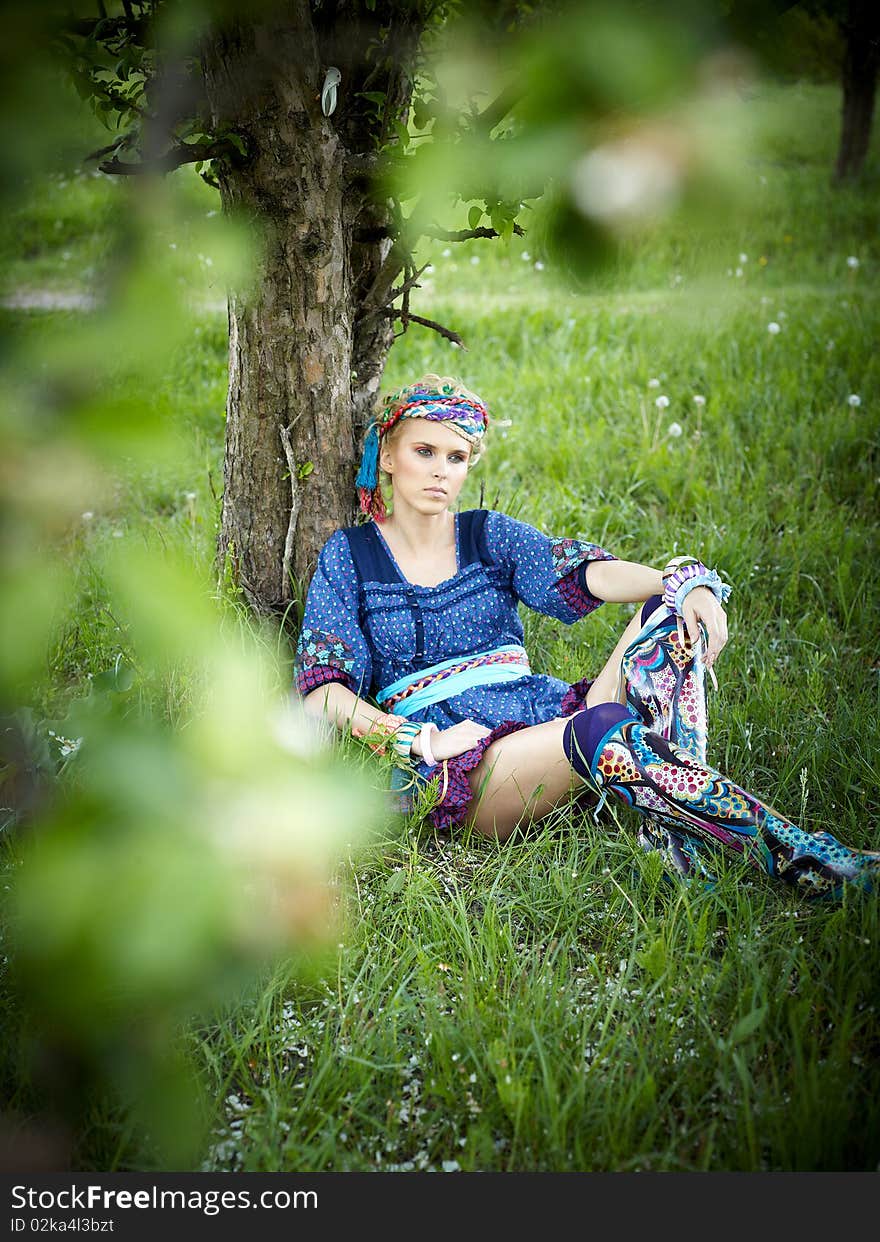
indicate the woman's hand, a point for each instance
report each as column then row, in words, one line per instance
column 701, row 608
column 446, row 743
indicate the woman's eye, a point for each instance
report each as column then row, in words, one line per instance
column 424, row 450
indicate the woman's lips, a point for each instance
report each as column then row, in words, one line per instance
column 436, row 491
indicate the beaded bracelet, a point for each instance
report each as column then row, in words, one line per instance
column 685, row 578
column 675, row 563
column 406, row 734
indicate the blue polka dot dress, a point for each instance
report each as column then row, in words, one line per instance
column 366, row 626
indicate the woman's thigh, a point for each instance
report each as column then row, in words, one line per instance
column 524, row 775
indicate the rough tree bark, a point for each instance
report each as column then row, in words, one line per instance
column 861, row 30
column 307, row 339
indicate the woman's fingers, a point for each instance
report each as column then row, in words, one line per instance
column 707, row 623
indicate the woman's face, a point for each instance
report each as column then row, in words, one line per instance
column 427, row 462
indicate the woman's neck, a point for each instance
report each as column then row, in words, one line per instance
column 420, row 533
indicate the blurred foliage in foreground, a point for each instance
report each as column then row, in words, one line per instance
column 176, row 831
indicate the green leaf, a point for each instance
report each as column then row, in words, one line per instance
column 303, row 471
column 402, row 133
column 396, row 883
column 475, row 215
column 237, row 141
column 376, row 97
column 748, row 1025
column 653, row 959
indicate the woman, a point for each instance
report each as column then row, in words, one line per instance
column 417, row 610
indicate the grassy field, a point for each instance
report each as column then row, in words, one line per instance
column 556, row 1003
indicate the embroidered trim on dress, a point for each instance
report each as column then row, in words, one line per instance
column 322, row 657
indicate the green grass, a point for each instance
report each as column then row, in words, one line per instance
column 555, row 1003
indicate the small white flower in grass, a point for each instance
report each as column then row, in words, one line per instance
column 743, row 258
column 854, row 400
column 662, row 403
column 446, row 253
column 675, row 429
column 539, row 266
column 653, row 383
column 525, row 256
column 738, row 272
column 699, row 400
column 782, row 315
column 852, row 262
column 773, row 328
column 475, row 258
column 172, row 245
column 88, row 515
column 429, row 268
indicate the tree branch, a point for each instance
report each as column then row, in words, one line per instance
column 379, row 232
column 168, row 162
column 109, row 27
column 426, row 323
column 461, row 235
column 498, row 109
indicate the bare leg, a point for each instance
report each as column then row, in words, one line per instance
column 526, row 774
column 605, row 689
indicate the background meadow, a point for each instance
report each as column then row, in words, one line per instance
column 555, row 1003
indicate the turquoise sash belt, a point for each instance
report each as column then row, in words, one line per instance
column 455, row 683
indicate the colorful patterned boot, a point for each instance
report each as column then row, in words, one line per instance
column 615, row 753
column 663, row 680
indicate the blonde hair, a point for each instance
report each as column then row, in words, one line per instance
column 449, row 386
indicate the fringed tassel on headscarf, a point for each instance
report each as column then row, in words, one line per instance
column 373, row 503
column 367, row 481
column 368, row 474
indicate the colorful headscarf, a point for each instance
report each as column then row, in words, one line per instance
column 432, row 398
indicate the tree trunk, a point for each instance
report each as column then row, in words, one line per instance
column 861, row 31
column 305, row 356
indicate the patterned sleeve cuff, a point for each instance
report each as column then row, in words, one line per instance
column 571, row 558
column 323, row 657
column 308, row 679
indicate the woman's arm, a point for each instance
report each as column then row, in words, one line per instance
column 623, row 582
column 626, row 582
column 342, row 707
